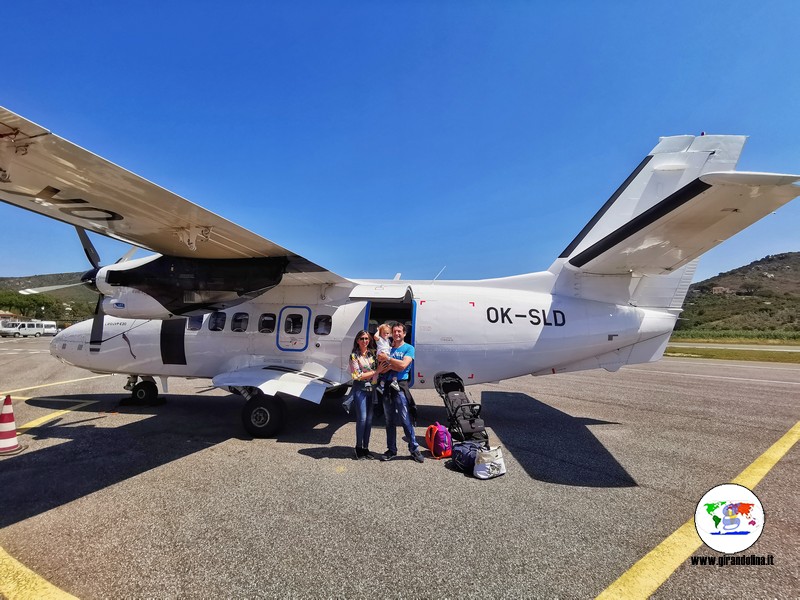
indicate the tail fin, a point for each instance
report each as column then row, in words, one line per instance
column 683, row 199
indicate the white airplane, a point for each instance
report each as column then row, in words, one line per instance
column 221, row 303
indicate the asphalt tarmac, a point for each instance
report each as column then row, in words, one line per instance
column 176, row 501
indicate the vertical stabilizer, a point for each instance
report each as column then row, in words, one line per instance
column 684, row 198
column 673, row 164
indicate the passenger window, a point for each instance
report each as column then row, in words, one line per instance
column 216, row 322
column 266, row 323
column 322, row 324
column 239, row 322
column 194, row 323
column 293, row 323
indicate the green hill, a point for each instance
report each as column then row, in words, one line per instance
column 79, row 293
column 65, row 305
column 761, row 299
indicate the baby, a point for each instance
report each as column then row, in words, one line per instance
column 384, row 351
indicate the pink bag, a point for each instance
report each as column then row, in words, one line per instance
column 439, row 441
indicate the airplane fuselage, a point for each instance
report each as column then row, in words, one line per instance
column 262, row 321
column 480, row 329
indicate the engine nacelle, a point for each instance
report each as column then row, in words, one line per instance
column 162, row 287
column 129, row 303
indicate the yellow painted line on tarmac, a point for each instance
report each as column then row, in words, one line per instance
column 53, row 415
column 36, row 387
column 18, row 582
column 655, row 567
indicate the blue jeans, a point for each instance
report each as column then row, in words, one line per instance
column 362, row 402
column 395, row 406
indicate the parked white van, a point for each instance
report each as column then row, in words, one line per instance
column 28, row 328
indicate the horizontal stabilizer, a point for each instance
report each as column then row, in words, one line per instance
column 688, row 223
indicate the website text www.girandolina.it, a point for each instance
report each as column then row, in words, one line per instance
column 724, row 561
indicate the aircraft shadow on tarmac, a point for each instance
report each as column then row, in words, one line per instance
column 91, row 453
column 550, row 445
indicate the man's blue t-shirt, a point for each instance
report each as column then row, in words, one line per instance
column 400, row 353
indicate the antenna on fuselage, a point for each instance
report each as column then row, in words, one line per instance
column 439, row 273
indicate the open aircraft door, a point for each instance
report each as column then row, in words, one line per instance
column 386, row 303
column 379, row 292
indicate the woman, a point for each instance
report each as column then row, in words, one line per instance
column 363, row 367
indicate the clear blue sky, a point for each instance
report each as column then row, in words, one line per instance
column 481, row 135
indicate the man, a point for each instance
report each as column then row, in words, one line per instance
column 396, row 403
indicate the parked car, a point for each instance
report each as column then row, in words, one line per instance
column 27, row 328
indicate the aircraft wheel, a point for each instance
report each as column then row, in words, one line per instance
column 263, row 416
column 145, row 391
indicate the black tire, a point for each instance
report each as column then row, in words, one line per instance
column 263, row 416
column 16, row 334
column 145, row 391
column 37, row 334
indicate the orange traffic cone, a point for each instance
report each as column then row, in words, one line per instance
column 8, row 430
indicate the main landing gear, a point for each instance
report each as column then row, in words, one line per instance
column 143, row 392
column 262, row 415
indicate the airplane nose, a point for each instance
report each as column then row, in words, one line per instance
column 55, row 344
column 69, row 346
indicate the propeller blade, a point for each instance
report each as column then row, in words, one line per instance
column 127, row 256
column 88, row 247
column 96, row 337
column 47, row 288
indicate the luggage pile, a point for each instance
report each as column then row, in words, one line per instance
column 471, row 453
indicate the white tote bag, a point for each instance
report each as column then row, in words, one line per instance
column 489, row 463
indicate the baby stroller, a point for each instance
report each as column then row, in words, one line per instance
column 463, row 416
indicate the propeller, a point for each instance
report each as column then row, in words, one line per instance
column 88, row 247
column 89, row 279
column 47, row 288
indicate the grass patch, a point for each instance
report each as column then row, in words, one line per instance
column 726, row 354
column 739, row 336
column 735, row 340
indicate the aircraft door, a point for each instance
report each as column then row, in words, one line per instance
column 293, row 328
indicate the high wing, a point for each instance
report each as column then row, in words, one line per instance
column 46, row 174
